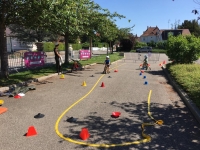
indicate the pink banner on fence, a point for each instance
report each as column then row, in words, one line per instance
column 34, row 59
column 84, row 54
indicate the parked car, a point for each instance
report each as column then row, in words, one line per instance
column 144, row 49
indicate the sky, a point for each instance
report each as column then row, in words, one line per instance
column 143, row 13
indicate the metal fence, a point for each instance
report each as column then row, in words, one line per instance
column 16, row 60
column 140, row 56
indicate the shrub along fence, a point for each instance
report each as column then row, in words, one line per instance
column 49, row 46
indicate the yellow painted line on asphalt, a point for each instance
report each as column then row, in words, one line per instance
column 147, row 138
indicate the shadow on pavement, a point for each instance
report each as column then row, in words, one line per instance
column 179, row 131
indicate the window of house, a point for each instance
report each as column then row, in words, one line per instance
column 143, row 39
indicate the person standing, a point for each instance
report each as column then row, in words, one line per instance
column 57, row 58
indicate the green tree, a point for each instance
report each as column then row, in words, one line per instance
column 21, row 12
column 29, row 35
column 193, row 26
column 71, row 18
column 183, row 49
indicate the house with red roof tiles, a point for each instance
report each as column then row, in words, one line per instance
column 158, row 35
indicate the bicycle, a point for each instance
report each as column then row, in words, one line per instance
column 76, row 65
column 145, row 66
column 106, row 69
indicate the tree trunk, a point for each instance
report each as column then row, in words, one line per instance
column 111, row 45
column 66, row 48
column 39, row 46
column 90, row 47
column 3, row 52
column 107, row 48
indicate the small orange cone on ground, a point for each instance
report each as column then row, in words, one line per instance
column 102, row 84
column 84, row 135
column 31, row 131
column 3, row 110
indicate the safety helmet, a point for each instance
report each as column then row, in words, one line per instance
column 107, row 56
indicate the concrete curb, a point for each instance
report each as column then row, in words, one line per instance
column 189, row 103
column 3, row 89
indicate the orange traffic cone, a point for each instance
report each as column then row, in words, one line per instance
column 31, row 131
column 102, row 84
column 3, row 110
column 84, row 135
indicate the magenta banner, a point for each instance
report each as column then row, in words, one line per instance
column 84, row 54
column 34, row 59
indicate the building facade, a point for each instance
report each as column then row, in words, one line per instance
column 13, row 44
column 158, row 35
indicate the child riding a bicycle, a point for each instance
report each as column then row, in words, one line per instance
column 145, row 62
column 107, row 65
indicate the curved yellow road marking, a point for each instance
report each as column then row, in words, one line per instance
column 147, row 138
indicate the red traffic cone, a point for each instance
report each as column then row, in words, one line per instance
column 84, row 135
column 31, row 131
column 116, row 114
column 17, row 96
column 164, row 62
column 102, row 84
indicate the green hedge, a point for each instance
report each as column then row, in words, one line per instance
column 49, row 46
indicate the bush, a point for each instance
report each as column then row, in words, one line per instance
column 49, row 46
column 183, row 49
column 187, row 76
column 118, row 49
column 152, row 44
column 126, row 45
column 139, row 45
column 76, row 46
column 161, row 45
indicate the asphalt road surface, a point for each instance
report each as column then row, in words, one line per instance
column 92, row 105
